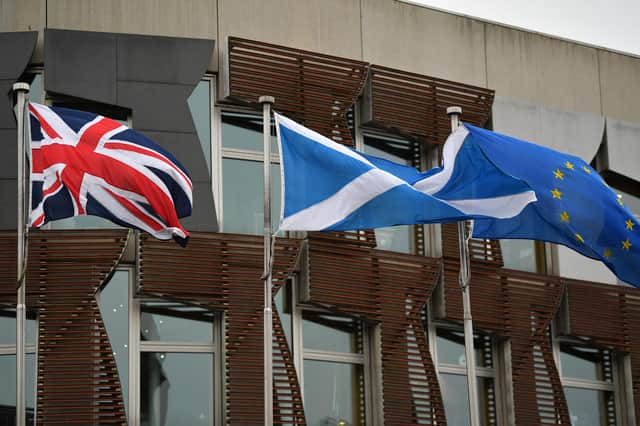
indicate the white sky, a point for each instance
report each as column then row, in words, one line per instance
column 614, row 24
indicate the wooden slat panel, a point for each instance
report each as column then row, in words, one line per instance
column 415, row 105
column 390, row 288
column 77, row 379
column 314, row 89
column 222, row 272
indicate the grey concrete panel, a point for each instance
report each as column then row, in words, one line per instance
column 8, row 192
column 157, row 106
column 620, row 81
column 325, row 26
column 7, row 117
column 81, row 64
column 162, row 59
column 15, row 50
column 204, row 213
column 623, row 144
column 424, row 41
column 154, row 78
column 193, row 18
column 8, row 159
column 186, row 148
column 542, row 70
column 576, row 133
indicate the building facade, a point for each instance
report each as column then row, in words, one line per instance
column 125, row 329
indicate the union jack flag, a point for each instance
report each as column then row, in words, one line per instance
column 83, row 163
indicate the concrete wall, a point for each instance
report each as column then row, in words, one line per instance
column 424, row 41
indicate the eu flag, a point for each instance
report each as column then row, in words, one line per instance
column 574, row 207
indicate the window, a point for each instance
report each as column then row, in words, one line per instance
column 396, row 238
column 241, row 143
column 523, row 255
column 588, row 380
column 449, row 350
column 330, row 357
column 8, row 365
column 167, row 354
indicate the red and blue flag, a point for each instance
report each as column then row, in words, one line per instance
column 83, row 163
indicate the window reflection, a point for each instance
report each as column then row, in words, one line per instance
column 519, row 254
column 200, row 105
column 394, row 238
column 243, row 196
column 114, row 307
column 175, row 322
column 588, row 407
column 455, row 396
column 585, row 362
column 333, row 393
column 631, row 202
column 8, row 388
column 331, row 333
column 176, row 389
column 244, row 131
column 450, row 347
column 8, row 327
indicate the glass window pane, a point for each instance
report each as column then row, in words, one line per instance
column 244, row 131
column 83, row 222
column 589, row 407
column 585, row 363
column 455, row 396
column 176, row 389
column 283, row 304
column 394, row 238
column 450, row 346
column 331, row 333
column 243, row 196
column 8, row 327
column 114, row 307
column 519, row 254
column 8, row 388
column 200, row 106
column 175, row 322
column 36, row 91
column 333, row 393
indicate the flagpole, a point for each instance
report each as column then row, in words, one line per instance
column 454, row 113
column 266, row 102
column 21, row 90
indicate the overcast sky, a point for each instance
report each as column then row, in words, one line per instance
column 614, row 24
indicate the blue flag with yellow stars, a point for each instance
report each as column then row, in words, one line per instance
column 574, row 206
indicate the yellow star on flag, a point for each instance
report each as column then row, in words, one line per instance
column 630, row 224
column 607, row 253
column 626, row 244
column 579, row 238
column 569, row 165
column 558, row 174
column 564, row 216
column 586, row 169
column 556, row 194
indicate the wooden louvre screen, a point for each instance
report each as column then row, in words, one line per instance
column 314, row 89
column 415, row 105
column 609, row 315
column 518, row 306
column 77, row 378
column 391, row 289
column 222, row 272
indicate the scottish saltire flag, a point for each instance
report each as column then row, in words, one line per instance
column 84, row 163
column 327, row 186
column 574, row 206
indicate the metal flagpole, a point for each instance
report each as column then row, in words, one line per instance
column 21, row 90
column 464, row 278
column 266, row 102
